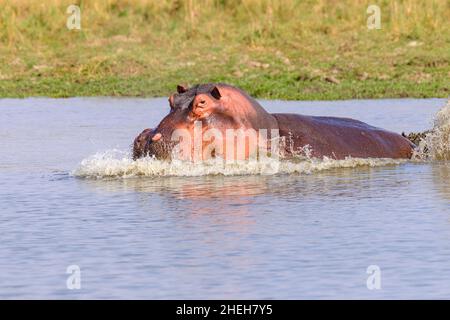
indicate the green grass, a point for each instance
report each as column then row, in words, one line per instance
column 281, row 49
column 266, row 87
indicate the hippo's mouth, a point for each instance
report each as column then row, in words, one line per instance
column 160, row 150
column 157, row 149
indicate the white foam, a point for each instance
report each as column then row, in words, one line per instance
column 119, row 164
column 436, row 145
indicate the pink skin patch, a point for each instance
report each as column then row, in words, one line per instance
column 156, row 137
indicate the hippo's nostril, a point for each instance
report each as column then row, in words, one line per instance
column 157, row 136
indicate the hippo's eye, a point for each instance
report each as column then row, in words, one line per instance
column 200, row 107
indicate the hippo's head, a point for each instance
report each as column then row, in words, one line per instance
column 210, row 106
column 199, row 103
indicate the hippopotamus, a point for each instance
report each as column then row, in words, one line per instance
column 221, row 107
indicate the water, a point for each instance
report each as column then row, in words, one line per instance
column 310, row 232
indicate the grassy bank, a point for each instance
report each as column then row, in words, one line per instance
column 274, row 49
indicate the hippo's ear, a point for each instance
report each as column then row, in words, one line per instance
column 181, row 88
column 216, row 93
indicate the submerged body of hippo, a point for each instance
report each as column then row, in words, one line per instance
column 219, row 108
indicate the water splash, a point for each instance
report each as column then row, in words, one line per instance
column 119, row 164
column 436, row 144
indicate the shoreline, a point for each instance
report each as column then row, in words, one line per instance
column 350, row 90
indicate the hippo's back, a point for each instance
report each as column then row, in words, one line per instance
column 342, row 137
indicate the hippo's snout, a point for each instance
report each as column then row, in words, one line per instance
column 150, row 143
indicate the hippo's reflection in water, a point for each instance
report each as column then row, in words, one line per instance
column 339, row 182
